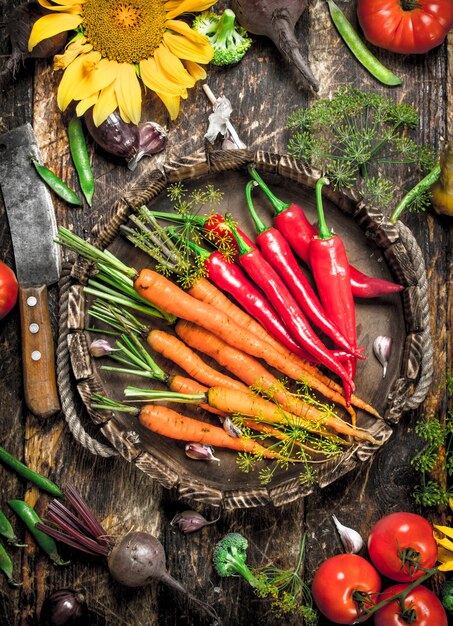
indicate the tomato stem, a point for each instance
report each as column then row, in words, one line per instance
column 409, row 5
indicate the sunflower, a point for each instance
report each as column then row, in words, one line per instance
column 119, row 43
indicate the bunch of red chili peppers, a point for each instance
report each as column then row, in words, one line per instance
column 269, row 283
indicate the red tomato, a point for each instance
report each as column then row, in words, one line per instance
column 398, row 539
column 335, row 582
column 421, row 608
column 405, row 26
column 8, row 289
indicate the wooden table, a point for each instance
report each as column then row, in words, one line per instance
column 263, row 91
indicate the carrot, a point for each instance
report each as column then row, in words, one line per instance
column 166, row 295
column 164, row 421
column 244, row 366
column 206, row 292
column 176, row 351
column 254, row 406
column 181, row 384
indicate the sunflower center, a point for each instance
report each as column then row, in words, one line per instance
column 126, row 31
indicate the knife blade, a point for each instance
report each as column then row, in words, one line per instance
column 33, row 228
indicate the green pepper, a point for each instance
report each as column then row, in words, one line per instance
column 6, row 566
column 56, row 184
column 30, row 518
column 7, row 531
column 80, row 157
column 40, row 481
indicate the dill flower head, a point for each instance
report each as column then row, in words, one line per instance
column 120, row 44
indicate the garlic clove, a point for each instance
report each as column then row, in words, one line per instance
column 382, row 348
column 191, row 521
column 231, row 428
column 350, row 538
column 200, row 452
column 101, row 347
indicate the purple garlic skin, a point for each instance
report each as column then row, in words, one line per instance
column 128, row 141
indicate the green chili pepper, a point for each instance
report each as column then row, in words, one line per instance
column 359, row 49
column 24, row 471
column 422, row 186
column 7, row 531
column 79, row 153
column 56, row 184
column 30, row 518
column 6, row 566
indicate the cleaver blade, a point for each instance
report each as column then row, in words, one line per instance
column 37, row 257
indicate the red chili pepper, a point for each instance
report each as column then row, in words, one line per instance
column 267, row 279
column 330, row 267
column 292, row 222
column 230, row 278
column 278, row 253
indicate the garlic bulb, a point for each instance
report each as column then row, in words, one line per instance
column 350, row 538
column 200, row 452
column 382, row 348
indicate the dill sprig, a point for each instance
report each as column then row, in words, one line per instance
column 353, row 135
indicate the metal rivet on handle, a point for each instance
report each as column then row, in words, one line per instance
column 32, row 301
column 34, row 328
column 35, row 355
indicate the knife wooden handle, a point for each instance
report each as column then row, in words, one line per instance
column 38, row 354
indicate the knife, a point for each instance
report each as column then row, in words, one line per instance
column 33, row 228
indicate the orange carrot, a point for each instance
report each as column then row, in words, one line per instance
column 206, row 292
column 166, row 295
column 164, row 421
column 176, row 351
column 181, row 384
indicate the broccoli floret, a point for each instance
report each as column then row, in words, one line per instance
column 229, row 40
column 229, row 559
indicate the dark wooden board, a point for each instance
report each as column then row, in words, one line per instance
column 263, row 92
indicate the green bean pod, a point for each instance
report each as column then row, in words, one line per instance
column 7, row 531
column 80, row 158
column 30, row 518
column 40, row 481
column 6, row 566
column 359, row 49
column 56, row 184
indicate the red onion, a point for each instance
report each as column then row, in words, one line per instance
column 64, row 607
column 128, row 141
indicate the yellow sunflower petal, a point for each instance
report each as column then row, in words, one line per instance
column 172, row 67
column 184, row 29
column 96, row 76
column 61, row 61
column 51, row 25
column 83, row 106
column 73, row 78
column 128, row 92
column 446, row 567
column 66, row 3
column 124, row 115
column 446, row 543
column 446, row 530
column 196, row 71
column 188, row 50
column 450, row 502
column 106, row 103
column 171, row 103
column 155, row 80
column 74, row 8
column 187, row 6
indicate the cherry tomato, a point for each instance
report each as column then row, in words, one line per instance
column 399, row 542
column 421, row 607
column 405, row 26
column 8, row 289
column 337, row 584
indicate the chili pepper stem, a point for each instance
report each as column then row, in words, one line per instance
column 426, row 182
column 259, row 224
column 324, row 231
column 279, row 205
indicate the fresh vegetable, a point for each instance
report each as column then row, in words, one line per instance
column 277, row 20
column 382, row 348
column 6, row 566
column 22, row 470
column 127, row 140
column 265, row 277
column 19, row 25
column 8, row 289
column 350, row 538
column 80, row 158
column 277, row 252
column 200, row 452
column 166, row 422
column 330, row 267
column 30, row 518
column 418, row 607
column 293, row 224
column 344, row 586
column 415, row 197
column 7, row 531
column 405, row 26
column 442, row 190
column 352, row 134
column 229, row 559
column 229, row 41
column 64, row 607
column 359, row 49
column 135, row 559
column 402, row 546
column 56, row 184
column 446, row 594
column 191, row 521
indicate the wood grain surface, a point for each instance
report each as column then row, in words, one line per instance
column 263, row 91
